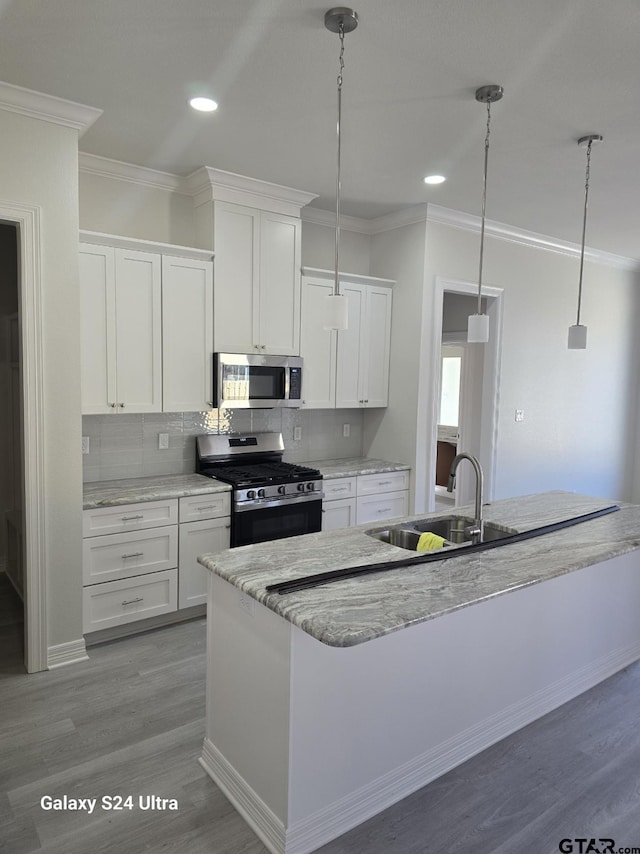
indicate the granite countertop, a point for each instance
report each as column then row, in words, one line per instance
column 353, row 466
column 110, row 493
column 354, row 610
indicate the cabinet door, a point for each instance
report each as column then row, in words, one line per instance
column 348, row 386
column 197, row 538
column 138, row 331
column 277, row 316
column 236, row 265
column 187, row 334
column 98, row 330
column 374, row 361
column 338, row 514
column 317, row 348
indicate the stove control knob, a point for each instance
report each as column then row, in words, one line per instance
column 251, row 493
column 311, row 487
column 282, row 490
column 261, row 493
column 301, row 487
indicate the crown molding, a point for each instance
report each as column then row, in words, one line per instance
column 512, row 234
column 208, row 184
column 93, row 164
column 398, row 219
column 47, row 108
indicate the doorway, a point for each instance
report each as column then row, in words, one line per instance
column 474, row 370
column 12, row 585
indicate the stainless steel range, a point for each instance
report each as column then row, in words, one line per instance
column 271, row 499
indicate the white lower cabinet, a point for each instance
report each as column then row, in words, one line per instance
column 365, row 498
column 140, row 560
column 204, row 536
column 117, row 602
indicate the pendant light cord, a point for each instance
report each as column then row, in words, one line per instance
column 484, row 205
column 336, row 284
column 584, row 227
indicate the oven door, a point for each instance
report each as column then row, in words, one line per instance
column 276, row 521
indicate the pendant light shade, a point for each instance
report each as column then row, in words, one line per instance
column 578, row 333
column 478, row 328
column 339, row 20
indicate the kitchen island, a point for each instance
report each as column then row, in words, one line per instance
column 326, row 705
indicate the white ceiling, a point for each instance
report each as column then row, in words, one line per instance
column 568, row 67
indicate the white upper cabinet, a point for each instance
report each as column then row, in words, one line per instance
column 317, row 347
column 257, row 281
column 364, row 348
column 147, row 326
column 121, row 330
column 350, row 368
column 187, row 334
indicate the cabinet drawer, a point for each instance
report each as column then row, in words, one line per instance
column 209, row 506
column 339, row 487
column 129, row 517
column 390, row 481
column 377, row 508
column 116, row 556
column 118, row 602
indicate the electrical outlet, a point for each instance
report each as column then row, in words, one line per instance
column 519, row 414
column 85, row 444
column 297, row 434
column 346, row 430
column 163, row 441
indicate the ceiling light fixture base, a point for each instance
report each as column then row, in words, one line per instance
column 341, row 17
column 593, row 138
column 489, row 94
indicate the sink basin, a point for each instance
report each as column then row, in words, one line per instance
column 456, row 531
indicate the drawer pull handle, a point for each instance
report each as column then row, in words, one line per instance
column 206, row 507
column 384, row 482
column 132, row 518
column 341, row 489
column 132, row 601
column 133, row 554
column 385, row 510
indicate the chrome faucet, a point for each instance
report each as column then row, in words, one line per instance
column 478, row 530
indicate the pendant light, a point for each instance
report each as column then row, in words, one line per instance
column 339, row 20
column 478, row 328
column 578, row 332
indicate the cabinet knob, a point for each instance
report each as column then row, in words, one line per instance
column 121, row 405
column 112, row 405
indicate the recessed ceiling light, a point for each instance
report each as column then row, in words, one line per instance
column 434, row 179
column 203, row 105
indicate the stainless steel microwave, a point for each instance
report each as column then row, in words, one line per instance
column 251, row 381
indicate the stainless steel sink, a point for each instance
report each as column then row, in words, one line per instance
column 455, row 530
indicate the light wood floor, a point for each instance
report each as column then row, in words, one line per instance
column 131, row 721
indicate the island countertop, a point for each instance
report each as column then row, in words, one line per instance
column 354, row 610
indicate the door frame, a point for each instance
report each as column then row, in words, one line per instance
column 27, row 219
column 491, row 379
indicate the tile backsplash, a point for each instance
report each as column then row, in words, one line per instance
column 126, row 445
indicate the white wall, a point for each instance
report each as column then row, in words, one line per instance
column 115, row 206
column 319, row 249
column 394, row 433
column 579, row 405
column 39, row 167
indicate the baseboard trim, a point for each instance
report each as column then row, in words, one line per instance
column 252, row 808
column 311, row 833
column 66, row 653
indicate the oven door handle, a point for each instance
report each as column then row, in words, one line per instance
column 264, row 503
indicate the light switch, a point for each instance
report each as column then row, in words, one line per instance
column 163, row 441
column 85, row 444
column 519, row 414
column 346, row 430
column 297, row 434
